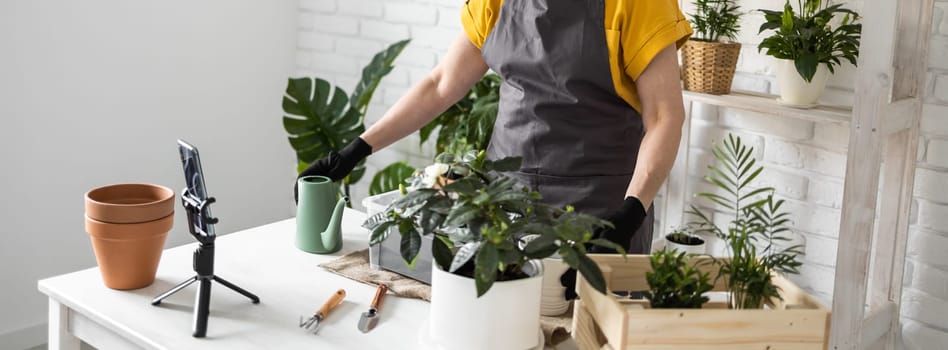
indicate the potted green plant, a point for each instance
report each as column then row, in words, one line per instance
column 709, row 58
column 320, row 119
column 676, row 283
column 489, row 233
column 809, row 43
column 683, row 239
column 757, row 236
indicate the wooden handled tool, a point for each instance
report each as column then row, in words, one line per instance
column 371, row 318
column 313, row 322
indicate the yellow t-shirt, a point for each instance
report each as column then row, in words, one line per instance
column 636, row 30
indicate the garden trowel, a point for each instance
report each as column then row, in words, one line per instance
column 371, row 318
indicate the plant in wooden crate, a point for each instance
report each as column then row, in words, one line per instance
column 675, row 282
column 809, row 42
column 466, row 125
column 321, row 119
column 709, row 58
column 757, row 235
column 489, row 233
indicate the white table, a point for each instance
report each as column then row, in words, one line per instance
column 262, row 260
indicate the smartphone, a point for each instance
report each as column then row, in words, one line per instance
column 196, row 188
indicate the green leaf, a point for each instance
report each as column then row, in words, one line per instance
column 410, row 246
column 508, row 164
column 605, row 243
column 462, row 214
column 380, row 232
column 591, row 273
column 465, row 186
column 389, row 178
column 541, row 247
column 485, row 268
column 806, row 65
column 373, row 73
column 441, row 252
column 318, row 119
column 465, row 253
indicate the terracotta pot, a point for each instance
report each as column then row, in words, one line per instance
column 128, row 224
column 129, row 203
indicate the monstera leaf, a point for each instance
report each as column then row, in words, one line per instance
column 373, row 73
column 390, row 177
column 320, row 119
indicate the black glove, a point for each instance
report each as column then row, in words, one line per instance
column 337, row 165
column 626, row 222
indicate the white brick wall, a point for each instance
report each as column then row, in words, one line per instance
column 805, row 160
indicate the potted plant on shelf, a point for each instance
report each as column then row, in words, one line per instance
column 809, row 44
column 683, row 239
column 676, row 283
column 756, row 236
column 489, row 234
column 709, row 58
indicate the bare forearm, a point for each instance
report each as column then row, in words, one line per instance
column 663, row 114
column 656, row 158
column 415, row 109
column 457, row 72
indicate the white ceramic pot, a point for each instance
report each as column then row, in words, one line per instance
column 506, row 317
column 794, row 90
column 687, row 248
column 552, row 300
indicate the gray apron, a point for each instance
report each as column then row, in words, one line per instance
column 559, row 109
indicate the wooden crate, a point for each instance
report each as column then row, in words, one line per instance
column 605, row 322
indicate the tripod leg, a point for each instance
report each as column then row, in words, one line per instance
column 202, row 307
column 237, row 289
column 157, row 300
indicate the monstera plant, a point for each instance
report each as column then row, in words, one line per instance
column 320, row 118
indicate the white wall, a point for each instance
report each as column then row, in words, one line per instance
column 96, row 92
column 804, row 160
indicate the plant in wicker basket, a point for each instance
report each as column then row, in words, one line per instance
column 710, row 56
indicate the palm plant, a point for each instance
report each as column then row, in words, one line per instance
column 714, row 20
column 757, row 220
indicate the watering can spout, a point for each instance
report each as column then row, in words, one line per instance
column 333, row 234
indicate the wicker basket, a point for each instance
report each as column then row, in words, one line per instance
column 708, row 67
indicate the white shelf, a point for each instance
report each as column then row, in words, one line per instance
column 768, row 104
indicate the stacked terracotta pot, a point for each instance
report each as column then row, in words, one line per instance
column 128, row 224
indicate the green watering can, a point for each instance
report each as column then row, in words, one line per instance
column 319, row 215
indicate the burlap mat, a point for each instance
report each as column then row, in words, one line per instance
column 355, row 266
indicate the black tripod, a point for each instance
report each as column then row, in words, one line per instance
column 198, row 218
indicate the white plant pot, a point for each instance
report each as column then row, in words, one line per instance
column 506, row 317
column 687, row 248
column 553, row 300
column 794, row 90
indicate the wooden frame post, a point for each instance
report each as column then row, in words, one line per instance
column 892, row 64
